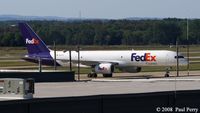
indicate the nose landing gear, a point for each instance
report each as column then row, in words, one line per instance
column 167, row 71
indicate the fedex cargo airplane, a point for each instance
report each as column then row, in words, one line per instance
column 103, row 62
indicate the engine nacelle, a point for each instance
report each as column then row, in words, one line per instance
column 131, row 69
column 104, row 68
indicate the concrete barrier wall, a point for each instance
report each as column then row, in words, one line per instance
column 130, row 103
column 41, row 76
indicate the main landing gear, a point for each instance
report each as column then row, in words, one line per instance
column 92, row 75
column 107, row 75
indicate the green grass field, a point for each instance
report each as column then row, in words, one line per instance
column 7, row 54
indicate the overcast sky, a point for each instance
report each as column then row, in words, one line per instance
column 111, row 9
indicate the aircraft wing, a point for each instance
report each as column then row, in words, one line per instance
column 90, row 63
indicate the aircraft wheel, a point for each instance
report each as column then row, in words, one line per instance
column 166, row 75
column 91, row 75
column 94, row 75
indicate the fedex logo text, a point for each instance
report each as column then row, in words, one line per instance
column 145, row 57
column 32, row 41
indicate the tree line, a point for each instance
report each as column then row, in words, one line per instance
column 106, row 32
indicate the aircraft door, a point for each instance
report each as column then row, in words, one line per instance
column 167, row 60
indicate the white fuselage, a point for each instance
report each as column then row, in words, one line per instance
column 122, row 58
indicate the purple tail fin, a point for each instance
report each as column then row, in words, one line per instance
column 33, row 42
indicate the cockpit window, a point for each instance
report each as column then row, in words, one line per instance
column 179, row 57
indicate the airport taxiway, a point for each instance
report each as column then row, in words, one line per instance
column 142, row 75
column 101, row 86
column 120, row 83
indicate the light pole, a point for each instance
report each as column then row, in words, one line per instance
column 177, row 59
column 70, row 59
column 188, row 55
column 54, row 44
column 39, row 64
column 78, row 49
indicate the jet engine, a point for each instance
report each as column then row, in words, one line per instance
column 104, row 68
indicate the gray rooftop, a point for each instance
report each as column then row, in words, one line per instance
column 121, row 83
column 116, row 85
